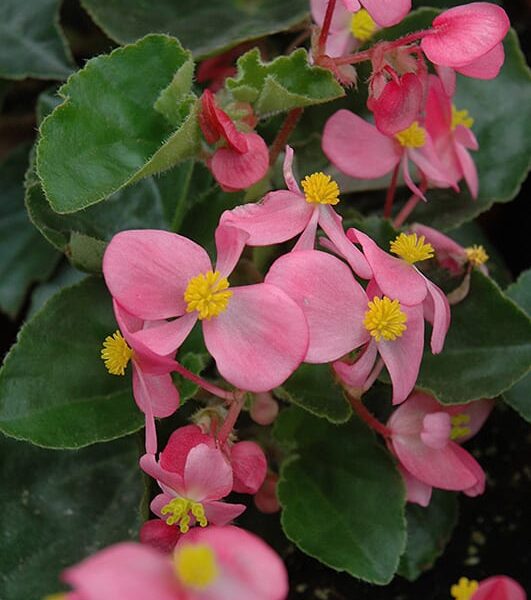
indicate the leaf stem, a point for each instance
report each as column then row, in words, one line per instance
column 367, row 417
column 232, row 416
column 290, row 122
column 206, row 385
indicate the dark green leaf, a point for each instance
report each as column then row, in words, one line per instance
column 57, row 508
column 520, row 291
column 64, row 276
column 331, row 492
column 54, row 388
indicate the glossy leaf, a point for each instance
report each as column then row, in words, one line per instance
column 331, row 490
column 64, row 276
column 60, row 507
column 54, row 389
column 204, row 28
column 107, row 133
column 31, row 41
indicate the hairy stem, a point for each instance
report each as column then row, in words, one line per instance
column 325, row 29
column 367, row 417
column 285, row 131
column 206, row 385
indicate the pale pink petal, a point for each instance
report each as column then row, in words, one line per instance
column 221, row 513
column 340, row 43
column 280, row 216
column 340, row 18
column 306, row 239
column 477, row 411
column 448, row 253
column 249, row 467
column 436, row 429
column 465, row 33
column 164, row 339
column 487, row 66
column 182, row 440
column 351, row 5
column 264, row 408
column 468, row 167
column 237, row 171
column 398, row 105
column 355, row 374
column 387, row 12
column 357, row 148
column 230, row 242
column 159, row 502
column 174, row 481
column 207, row 474
column 417, row 491
column 289, row 178
column 438, row 109
column 157, row 390
column 468, row 461
column 159, row 535
column 126, row 570
column 465, row 136
column 428, row 162
column 259, row 340
column 147, row 271
column 407, row 177
column 499, row 587
column 441, row 316
column 448, row 79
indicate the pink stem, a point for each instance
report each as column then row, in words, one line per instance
column 366, row 416
column 390, row 196
column 286, row 130
column 232, row 416
column 352, row 59
column 325, row 29
column 209, row 387
column 410, row 205
column 151, row 430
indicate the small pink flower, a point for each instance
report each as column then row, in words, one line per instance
column 499, row 587
column 425, row 437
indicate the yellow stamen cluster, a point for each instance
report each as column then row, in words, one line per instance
column 207, row 294
column 320, row 189
column 195, row 565
column 412, row 137
column 55, row 597
column 412, row 248
column 476, row 255
column 464, row 589
column 385, row 319
column 459, row 428
column 461, row 117
column 362, row 25
column 116, row 354
column 179, row 510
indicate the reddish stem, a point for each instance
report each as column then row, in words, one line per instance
column 410, row 205
column 209, row 387
column 352, row 59
column 286, row 130
column 366, row 416
column 232, row 417
column 390, row 196
column 325, row 29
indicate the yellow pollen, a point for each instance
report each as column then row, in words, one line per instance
column 320, row 189
column 385, row 319
column 464, row 589
column 207, row 294
column 55, row 597
column 362, row 25
column 412, row 137
column 195, row 565
column 461, row 117
column 412, row 248
column 179, row 510
column 459, row 429
column 476, row 255
column 116, row 354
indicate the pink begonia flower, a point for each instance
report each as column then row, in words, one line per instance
column 283, row 214
column 244, row 159
column 359, row 150
column 384, row 12
column 212, row 564
column 498, row 587
column 153, row 388
column 256, row 333
column 451, row 255
column 424, row 436
column 464, row 34
column 450, row 130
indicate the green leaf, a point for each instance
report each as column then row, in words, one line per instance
column 487, row 350
column 313, row 388
column 54, row 389
column 428, row 531
column 57, row 508
column 64, row 276
column 31, row 41
column 520, row 291
column 25, row 257
column 107, row 133
column 332, row 490
column 285, row 83
column 204, row 28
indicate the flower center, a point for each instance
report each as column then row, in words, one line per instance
column 116, row 354
column 411, row 248
column 412, row 137
column 179, row 510
column 320, row 189
column 195, row 565
column 461, row 117
column 459, row 428
column 476, row 255
column 362, row 25
column 385, row 319
column 207, row 294
column 464, row 589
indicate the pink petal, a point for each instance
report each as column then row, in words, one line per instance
column 448, row 79
column 499, row 587
column 147, row 271
column 238, row 171
column 487, row 66
column 387, row 12
column 355, row 374
column 182, row 440
column 291, row 182
column 428, row 162
column 468, row 166
column 221, row 513
column 407, row 177
column 230, row 242
column 156, row 390
column 259, row 340
column 465, row 136
column 126, row 570
column 478, row 487
column 351, row 5
column 333, row 302
column 398, row 105
column 215, row 122
column 447, row 252
column 279, row 217
column 149, row 465
column 207, row 474
column 436, row 430
column 341, row 16
column 157, row 534
column 164, row 339
column 249, row 467
column 417, row 491
column 465, row 33
column 264, row 408
column 340, row 43
column 357, row 148
column 438, row 109
column 477, row 411
column 306, row 239
column 441, row 316
column 159, row 502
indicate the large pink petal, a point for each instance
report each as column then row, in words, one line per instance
column 239, row 171
column 259, row 340
column 156, row 390
column 487, row 66
column 174, row 481
column 357, row 148
column 164, row 339
column 441, row 316
column 279, row 217
column 402, row 356
column 398, row 105
column 207, row 474
column 438, row 109
column 249, row 467
column 126, row 570
column 465, row 33
column 499, row 587
column 221, row 513
column 387, row 12
column 147, row 271
column 230, row 242
column 182, row 440
column 417, row 491
column 355, row 374
column 333, row 302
